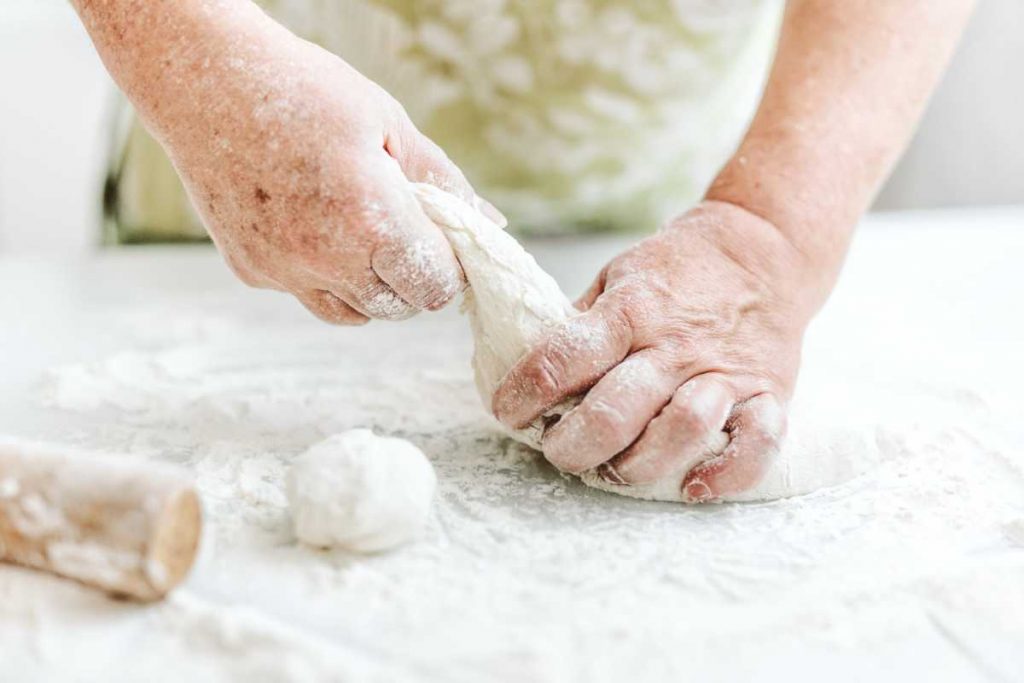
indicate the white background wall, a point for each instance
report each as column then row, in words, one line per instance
column 54, row 99
column 970, row 146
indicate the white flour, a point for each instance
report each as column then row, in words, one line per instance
column 512, row 304
column 917, row 565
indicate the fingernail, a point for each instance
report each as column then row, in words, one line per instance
column 698, row 492
column 491, row 211
column 506, row 404
column 445, row 293
column 607, row 472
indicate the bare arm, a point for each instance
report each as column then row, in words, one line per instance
column 297, row 164
column 174, row 59
column 698, row 329
column 849, row 82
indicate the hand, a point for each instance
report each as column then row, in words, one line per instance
column 299, row 170
column 695, row 331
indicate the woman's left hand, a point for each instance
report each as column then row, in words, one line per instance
column 695, row 331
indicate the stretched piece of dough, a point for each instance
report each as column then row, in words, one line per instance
column 511, row 302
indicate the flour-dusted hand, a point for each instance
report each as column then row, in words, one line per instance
column 297, row 164
column 698, row 330
column 694, row 332
column 317, row 202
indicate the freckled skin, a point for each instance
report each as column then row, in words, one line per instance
column 296, row 163
column 298, row 166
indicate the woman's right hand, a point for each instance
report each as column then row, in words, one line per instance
column 297, row 164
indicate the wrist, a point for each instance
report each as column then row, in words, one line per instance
column 815, row 217
column 174, row 60
column 798, row 281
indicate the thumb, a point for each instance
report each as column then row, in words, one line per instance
column 422, row 161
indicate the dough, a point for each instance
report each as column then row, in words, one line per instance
column 360, row 491
column 511, row 302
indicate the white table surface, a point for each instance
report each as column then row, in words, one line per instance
column 915, row 572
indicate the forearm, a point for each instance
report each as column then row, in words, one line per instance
column 849, row 81
column 183, row 64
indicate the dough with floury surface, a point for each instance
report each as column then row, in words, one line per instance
column 511, row 303
column 361, row 492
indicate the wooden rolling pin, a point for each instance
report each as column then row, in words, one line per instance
column 130, row 528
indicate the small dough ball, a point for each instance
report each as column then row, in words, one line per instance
column 360, row 491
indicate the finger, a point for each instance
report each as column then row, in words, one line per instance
column 569, row 360
column 595, row 290
column 422, row 161
column 412, row 255
column 330, row 308
column 248, row 276
column 372, row 297
column 611, row 416
column 756, row 429
column 678, row 437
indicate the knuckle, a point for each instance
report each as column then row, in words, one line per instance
column 252, row 257
column 247, row 279
column 679, row 345
column 330, row 309
column 242, row 272
column 605, row 421
column 767, row 439
column 546, row 375
column 692, row 419
column 619, row 320
column 582, row 436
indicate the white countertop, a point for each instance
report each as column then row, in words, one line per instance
column 914, row 571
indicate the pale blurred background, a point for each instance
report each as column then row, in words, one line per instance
column 56, row 100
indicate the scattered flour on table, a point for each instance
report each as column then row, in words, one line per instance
column 522, row 574
column 361, row 492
